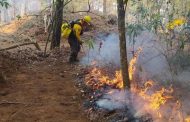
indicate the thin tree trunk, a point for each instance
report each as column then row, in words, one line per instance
column 105, row 7
column 57, row 24
column 122, row 38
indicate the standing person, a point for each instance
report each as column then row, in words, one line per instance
column 74, row 39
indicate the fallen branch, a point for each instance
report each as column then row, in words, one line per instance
column 8, row 102
column 36, row 15
column 73, row 12
column 86, row 11
column 24, row 44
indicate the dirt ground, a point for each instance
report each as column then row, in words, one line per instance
column 41, row 91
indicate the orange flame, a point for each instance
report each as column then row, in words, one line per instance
column 96, row 79
column 132, row 63
column 187, row 119
column 156, row 99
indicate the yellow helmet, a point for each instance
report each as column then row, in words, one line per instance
column 87, row 19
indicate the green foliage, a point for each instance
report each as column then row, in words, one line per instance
column 148, row 16
column 134, row 2
column 125, row 2
column 171, row 17
column 154, row 23
column 155, row 16
column 188, row 14
column 187, row 27
column 133, row 30
column 4, row 3
column 142, row 11
column 90, row 43
column 18, row 17
column 184, row 37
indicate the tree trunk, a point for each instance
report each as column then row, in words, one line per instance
column 122, row 38
column 105, row 7
column 57, row 24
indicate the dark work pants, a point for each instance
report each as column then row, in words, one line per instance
column 75, row 47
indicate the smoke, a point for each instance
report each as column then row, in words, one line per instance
column 120, row 99
column 151, row 64
column 109, row 52
column 21, row 7
column 114, row 99
column 150, row 60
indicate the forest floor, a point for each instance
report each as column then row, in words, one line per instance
column 43, row 92
column 34, row 88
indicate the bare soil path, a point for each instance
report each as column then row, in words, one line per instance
column 42, row 92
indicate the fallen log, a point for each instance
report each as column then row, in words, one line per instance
column 24, row 44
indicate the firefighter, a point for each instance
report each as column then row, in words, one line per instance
column 74, row 39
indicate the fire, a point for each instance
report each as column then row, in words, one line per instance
column 132, row 63
column 156, row 99
column 132, row 67
column 187, row 119
column 97, row 79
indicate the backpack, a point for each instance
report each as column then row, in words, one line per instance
column 72, row 23
column 67, row 28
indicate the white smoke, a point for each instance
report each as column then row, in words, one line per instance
column 151, row 65
column 120, row 99
column 114, row 99
column 150, row 60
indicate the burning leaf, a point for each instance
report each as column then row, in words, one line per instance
column 96, row 79
column 156, row 99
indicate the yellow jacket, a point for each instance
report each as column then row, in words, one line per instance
column 77, row 29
